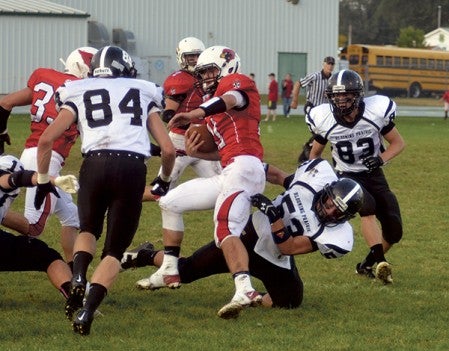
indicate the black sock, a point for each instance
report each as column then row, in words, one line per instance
column 172, row 250
column 240, row 273
column 97, row 293
column 81, row 261
column 146, row 258
column 375, row 255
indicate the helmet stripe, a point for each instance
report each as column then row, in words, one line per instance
column 103, row 56
column 351, row 193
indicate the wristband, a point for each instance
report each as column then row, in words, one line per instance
column 22, row 178
column 43, row 178
column 213, row 106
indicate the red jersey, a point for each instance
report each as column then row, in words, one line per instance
column 445, row 96
column 236, row 131
column 183, row 83
column 44, row 82
column 273, row 91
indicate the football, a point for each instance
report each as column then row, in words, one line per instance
column 209, row 144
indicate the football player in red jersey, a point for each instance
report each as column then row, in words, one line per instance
column 232, row 116
column 39, row 93
column 182, row 95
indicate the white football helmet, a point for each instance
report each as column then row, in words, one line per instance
column 188, row 46
column 78, row 62
column 10, row 164
column 222, row 58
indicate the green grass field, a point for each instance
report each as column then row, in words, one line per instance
column 341, row 311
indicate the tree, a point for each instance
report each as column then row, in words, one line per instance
column 381, row 21
column 411, row 37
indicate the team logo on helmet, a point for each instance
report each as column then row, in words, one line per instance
column 228, row 55
column 86, row 56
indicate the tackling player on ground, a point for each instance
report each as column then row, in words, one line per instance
column 310, row 215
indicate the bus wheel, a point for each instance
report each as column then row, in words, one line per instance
column 415, row 90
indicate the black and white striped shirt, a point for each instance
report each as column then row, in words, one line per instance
column 316, row 84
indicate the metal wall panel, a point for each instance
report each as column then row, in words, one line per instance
column 29, row 42
column 256, row 29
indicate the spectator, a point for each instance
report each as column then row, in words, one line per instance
column 445, row 99
column 287, row 87
column 272, row 97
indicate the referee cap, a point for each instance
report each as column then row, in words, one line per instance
column 329, row 59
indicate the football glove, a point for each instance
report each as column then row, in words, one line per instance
column 155, row 150
column 265, row 206
column 67, row 183
column 4, row 138
column 41, row 192
column 373, row 163
column 160, row 187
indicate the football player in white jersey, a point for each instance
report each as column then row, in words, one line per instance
column 356, row 128
column 310, row 215
column 114, row 114
column 19, row 253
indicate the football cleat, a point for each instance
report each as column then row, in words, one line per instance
column 82, row 322
column 363, row 270
column 383, row 272
column 238, row 302
column 159, row 280
column 75, row 300
column 130, row 258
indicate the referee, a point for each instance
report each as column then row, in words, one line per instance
column 316, row 84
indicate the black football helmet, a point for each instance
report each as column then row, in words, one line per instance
column 347, row 196
column 113, row 62
column 345, row 81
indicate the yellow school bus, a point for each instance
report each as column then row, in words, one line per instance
column 389, row 68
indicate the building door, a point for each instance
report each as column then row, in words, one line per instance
column 293, row 63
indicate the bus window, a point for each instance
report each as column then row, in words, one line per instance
column 388, row 61
column 440, row 65
column 405, row 62
column 422, row 63
column 431, row 64
column 379, row 60
column 396, row 61
column 446, row 68
column 414, row 62
column 354, row 60
column 364, row 59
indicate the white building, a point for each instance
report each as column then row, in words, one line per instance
column 269, row 35
column 438, row 38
